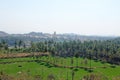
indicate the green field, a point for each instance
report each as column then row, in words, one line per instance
column 57, row 67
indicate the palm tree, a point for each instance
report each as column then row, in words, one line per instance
column 24, row 45
column 20, row 43
column 77, row 56
column 73, row 74
column 15, row 44
column 4, row 44
column 0, row 46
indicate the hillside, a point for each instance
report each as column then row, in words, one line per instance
column 3, row 34
column 39, row 36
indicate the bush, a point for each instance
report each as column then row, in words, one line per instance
column 116, row 78
column 51, row 77
column 5, row 77
column 94, row 77
column 37, row 77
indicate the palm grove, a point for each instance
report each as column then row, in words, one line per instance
column 105, row 51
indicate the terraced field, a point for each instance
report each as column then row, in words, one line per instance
column 58, row 68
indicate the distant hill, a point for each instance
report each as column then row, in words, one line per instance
column 3, row 34
column 39, row 36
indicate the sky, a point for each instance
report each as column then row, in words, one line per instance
column 84, row 17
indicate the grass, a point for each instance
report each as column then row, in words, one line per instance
column 44, row 69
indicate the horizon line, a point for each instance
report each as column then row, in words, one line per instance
column 72, row 33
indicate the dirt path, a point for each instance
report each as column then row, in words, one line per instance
column 18, row 55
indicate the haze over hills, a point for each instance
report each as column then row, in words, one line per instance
column 48, row 35
column 2, row 34
column 39, row 36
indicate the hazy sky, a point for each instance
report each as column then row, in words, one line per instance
column 85, row 17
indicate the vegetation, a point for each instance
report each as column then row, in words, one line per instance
column 44, row 69
column 60, row 60
column 105, row 51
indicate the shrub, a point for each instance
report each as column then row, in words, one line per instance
column 51, row 77
column 116, row 78
column 94, row 77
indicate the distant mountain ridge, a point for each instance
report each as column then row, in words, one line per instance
column 47, row 35
column 2, row 34
column 39, row 36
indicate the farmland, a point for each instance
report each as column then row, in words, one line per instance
column 58, row 68
column 56, row 60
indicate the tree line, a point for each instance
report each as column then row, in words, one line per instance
column 105, row 51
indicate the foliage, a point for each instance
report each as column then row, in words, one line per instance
column 95, row 77
column 106, row 51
